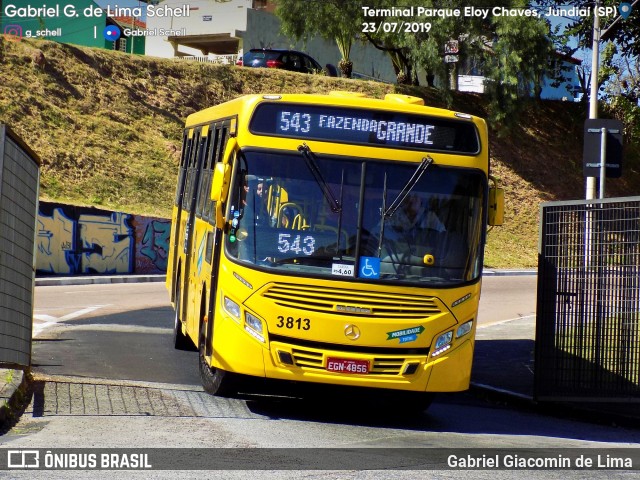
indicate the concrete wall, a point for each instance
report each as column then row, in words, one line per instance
column 207, row 17
column 74, row 240
column 19, row 184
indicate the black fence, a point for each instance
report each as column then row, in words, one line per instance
column 588, row 310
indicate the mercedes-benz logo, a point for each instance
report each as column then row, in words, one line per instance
column 352, row 332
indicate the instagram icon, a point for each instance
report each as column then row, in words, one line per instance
column 13, row 33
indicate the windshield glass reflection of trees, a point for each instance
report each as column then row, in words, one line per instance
column 283, row 221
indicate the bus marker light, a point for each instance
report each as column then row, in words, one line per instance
column 464, row 329
column 441, row 350
column 253, row 325
column 232, row 308
column 428, row 259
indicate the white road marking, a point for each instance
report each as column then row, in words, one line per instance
column 485, row 325
column 50, row 320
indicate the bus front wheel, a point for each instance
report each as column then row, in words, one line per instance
column 214, row 380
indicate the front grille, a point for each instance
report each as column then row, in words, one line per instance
column 315, row 360
column 383, row 361
column 344, row 301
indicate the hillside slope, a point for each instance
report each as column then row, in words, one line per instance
column 108, row 126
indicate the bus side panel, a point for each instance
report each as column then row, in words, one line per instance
column 199, row 278
column 452, row 371
column 234, row 349
column 239, row 352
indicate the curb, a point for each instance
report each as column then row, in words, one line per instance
column 96, row 280
column 581, row 412
column 13, row 405
column 506, row 273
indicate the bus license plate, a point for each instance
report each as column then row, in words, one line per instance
column 345, row 365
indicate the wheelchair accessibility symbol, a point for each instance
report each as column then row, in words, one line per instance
column 369, row 267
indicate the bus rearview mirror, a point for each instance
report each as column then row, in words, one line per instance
column 496, row 206
column 219, row 190
column 220, row 185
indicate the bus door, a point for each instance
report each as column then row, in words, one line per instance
column 205, row 235
column 214, row 242
column 187, row 222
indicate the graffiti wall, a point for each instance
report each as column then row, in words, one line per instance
column 74, row 240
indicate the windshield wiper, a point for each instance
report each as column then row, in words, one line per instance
column 415, row 178
column 310, row 159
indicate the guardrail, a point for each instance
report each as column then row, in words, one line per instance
column 218, row 59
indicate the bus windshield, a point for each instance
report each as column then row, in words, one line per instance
column 283, row 218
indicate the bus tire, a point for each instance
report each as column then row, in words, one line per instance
column 180, row 340
column 214, row 380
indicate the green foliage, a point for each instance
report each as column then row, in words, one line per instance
column 330, row 19
column 515, row 51
column 624, row 33
column 628, row 112
column 517, row 61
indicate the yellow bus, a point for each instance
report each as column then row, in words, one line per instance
column 332, row 239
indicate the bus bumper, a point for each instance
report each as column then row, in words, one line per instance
column 448, row 372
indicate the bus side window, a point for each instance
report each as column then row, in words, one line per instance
column 191, row 173
column 216, row 156
column 186, row 149
column 213, row 159
column 202, row 187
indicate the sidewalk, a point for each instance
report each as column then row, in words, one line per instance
column 503, row 367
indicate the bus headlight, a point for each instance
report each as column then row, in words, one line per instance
column 464, row 329
column 443, row 343
column 253, row 326
column 232, row 308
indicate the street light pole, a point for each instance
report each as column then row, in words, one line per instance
column 593, row 99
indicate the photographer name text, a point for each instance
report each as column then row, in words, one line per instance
column 71, row 11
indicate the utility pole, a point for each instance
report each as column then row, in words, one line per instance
column 593, row 99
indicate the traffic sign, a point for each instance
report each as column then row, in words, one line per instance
column 451, row 47
column 592, row 147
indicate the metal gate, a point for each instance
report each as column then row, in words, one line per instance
column 588, row 307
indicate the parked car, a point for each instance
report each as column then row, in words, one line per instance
column 284, row 59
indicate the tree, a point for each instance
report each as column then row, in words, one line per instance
column 624, row 33
column 514, row 49
column 519, row 57
column 336, row 20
